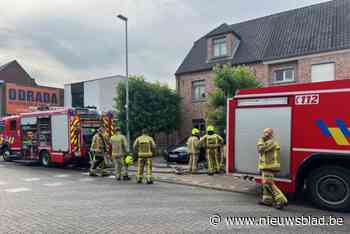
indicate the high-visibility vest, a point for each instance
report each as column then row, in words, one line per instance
column 98, row 144
column 192, row 145
column 269, row 158
column 119, row 144
column 144, row 145
column 212, row 141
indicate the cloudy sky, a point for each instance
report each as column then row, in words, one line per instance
column 63, row 41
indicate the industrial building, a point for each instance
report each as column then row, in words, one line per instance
column 98, row 93
column 20, row 93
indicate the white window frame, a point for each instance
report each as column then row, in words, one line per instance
column 284, row 75
column 324, row 63
column 220, row 48
column 194, row 85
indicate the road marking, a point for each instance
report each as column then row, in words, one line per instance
column 31, row 179
column 1, row 165
column 61, row 175
column 54, row 184
column 17, row 190
column 85, row 173
column 111, row 177
column 2, row 183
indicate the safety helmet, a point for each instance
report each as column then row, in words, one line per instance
column 129, row 160
column 195, row 131
column 210, row 128
column 268, row 130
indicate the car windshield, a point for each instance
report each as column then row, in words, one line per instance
column 181, row 149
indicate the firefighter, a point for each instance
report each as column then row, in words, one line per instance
column 98, row 153
column 269, row 164
column 212, row 143
column 145, row 147
column 119, row 150
column 193, row 150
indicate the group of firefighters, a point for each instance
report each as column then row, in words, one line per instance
column 144, row 147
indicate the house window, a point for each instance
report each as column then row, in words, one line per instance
column 323, row 72
column 283, row 75
column 198, row 90
column 220, row 47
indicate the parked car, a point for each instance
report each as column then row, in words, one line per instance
column 178, row 153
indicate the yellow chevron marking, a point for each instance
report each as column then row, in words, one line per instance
column 338, row 136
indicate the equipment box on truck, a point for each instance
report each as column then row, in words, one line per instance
column 312, row 124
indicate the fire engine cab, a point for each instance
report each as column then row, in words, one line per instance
column 54, row 136
column 312, row 124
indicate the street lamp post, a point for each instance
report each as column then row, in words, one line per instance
column 125, row 19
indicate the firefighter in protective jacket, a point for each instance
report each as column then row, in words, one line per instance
column 269, row 164
column 212, row 143
column 193, row 150
column 119, row 149
column 98, row 153
column 145, row 147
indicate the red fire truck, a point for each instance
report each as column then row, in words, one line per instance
column 52, row 137
column 311, row 122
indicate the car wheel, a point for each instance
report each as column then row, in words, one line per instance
column 329, row 188
column 45, row 158
column 6, row 154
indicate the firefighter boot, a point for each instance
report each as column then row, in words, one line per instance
column 92, row 173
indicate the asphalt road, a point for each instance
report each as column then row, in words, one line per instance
column 52, row 200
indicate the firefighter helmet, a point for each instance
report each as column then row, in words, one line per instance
column 129, row 160
column 210, row 128
column 195, row 131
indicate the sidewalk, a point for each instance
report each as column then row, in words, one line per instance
column 164, row 172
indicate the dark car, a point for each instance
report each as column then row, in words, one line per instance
column 179, row 153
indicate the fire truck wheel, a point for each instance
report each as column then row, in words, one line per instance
column 329, row 188
column 6, row 154
column 45, row 158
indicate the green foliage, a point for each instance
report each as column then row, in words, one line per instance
column 228, row 80
column 152, row 106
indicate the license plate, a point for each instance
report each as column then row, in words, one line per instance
column 172, row 155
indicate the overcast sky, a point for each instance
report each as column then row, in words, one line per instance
column 64, row 41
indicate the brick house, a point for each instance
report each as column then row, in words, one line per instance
column 308, row 44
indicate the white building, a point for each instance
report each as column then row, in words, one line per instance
column 98, row 93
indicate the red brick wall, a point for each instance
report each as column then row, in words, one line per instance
column 341, row 60
column 192, row 110
column 263, row 73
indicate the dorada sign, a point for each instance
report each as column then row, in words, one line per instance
column 20, row 99
column 311, row 99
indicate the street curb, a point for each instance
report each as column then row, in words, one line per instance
column 204, row 186
column 168, row 172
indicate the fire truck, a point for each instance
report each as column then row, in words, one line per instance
column 312, row 124
column 56, row 136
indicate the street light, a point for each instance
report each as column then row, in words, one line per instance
column 125, row 19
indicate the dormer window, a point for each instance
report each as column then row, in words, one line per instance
column 220, row 47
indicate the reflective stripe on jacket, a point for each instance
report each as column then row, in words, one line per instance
column 144, row 145
column 193, row 145
column 269, row 155
column 119, row 145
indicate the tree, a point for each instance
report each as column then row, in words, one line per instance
column 152, row 106
column 228, row 80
